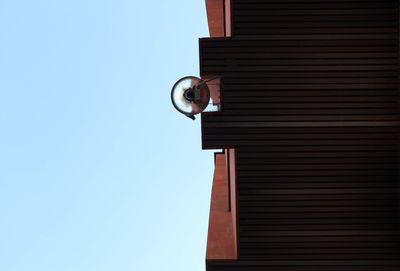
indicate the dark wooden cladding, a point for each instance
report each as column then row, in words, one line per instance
column 310, row 102
column 312, row 17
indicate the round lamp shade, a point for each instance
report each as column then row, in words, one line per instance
column 190, row 95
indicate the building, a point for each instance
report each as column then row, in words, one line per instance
column 309, row 124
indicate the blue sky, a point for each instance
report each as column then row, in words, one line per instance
column 94, row 161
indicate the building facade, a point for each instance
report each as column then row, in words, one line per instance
column 309, row 125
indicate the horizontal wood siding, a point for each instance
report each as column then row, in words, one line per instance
column 340, row 78
column 309, row 100
column 318, row 203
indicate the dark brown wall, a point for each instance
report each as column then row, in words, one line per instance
column 310, row 102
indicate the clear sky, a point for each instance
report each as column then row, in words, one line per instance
column 97, row 170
